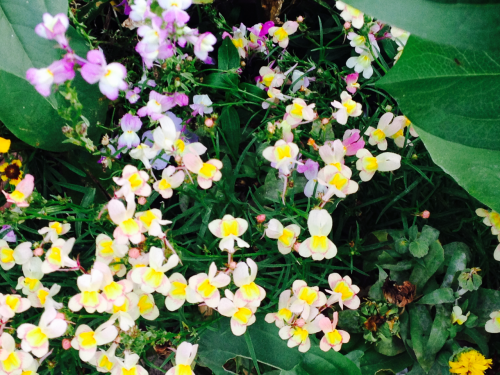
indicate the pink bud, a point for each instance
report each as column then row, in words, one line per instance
column 209, row 122
column 325, row 121
column 143, row 238
column 178, row 159
column 300, row 19
column 232, row 265
column 61, row 316
column 296, row 246
column 425, row 214
column 300, row 322
column 142, row 200
column 261, row 218
column 347, row 25
column 134, row 253
column 66, row 344
column 38, row 252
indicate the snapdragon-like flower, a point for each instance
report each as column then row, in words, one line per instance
column 144, row 153
column 333, row 338
column 170, row 179
column 350, row 14
column 269, row 77
column 127, row 228
column 54, row 230
column 89, row 298
column 319, row 246
column 205, row 288
column 275, row 96
column 153, row 278
column 491, row 219
column 104, row 361
column 239, row 39
column 166, row 136
column 177, row 293
column 281, row 34
column 343, row 292
column 244, row 276
column 133, row 95
column 332, row 153
column 152, row 222
column 352, row 141
column 305, row 298
column 35, row 339
column 457, row 316
column 132, row 182
column 357, row 41
column 257, row 35
column 299, row 111
column 107, row 249
column 301, row 80
column 54, row 27
column 175, row 13
column 286, row 236
column 32, row 271
column 202, row 105
column 146, row 305
column 400, row 36
column 207, row 172
column 348, row 108
column 57, row 256
column 86, row 340
column 22, row 192
column 139, row 10
column 339, row 183
column 242, row 315
column 56, row 73
column 130, row 126
column 12, row 304
column 113, row 291
column 12, row 361
column 128, row 366
column 298, row 333
column 229, row 229
column 43, row 297
column 110, row 76
column 362, row 64
column 184, row 357
column 310, row 169
column 282, row 155
column 20, row 255
column 126, row 311
column 204, row 45
column 493, row 325
column 367, row 164
column 156, row 106
column 284, row 314
column 385, row 128
column 153, row 45
column 352, row 82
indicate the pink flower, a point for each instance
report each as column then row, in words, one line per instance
column 22, row 192
column 333, row 338
column 300, row 111
column 133, row 95
column 180, row 99
column 176, row 16
column 58, row 72
column 207, row 172
column 157, row 104
column 204, row 45
column 352, row 141
column 343, row 292
column 54, row 28
column 132, row 182
column 352, row 82
column 110, row 76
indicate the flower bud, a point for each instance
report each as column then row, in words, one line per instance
column 388, row 108
column 300, row 322
column 177, row 82
column 178, row 67
column 271, row 128
column 66, row 344
column 142, row 200
column 347, row 25
column 426, row 214
column 67, row 130
column 38, row 252
column 189, row 58
column 178, row 159
column 61, row 316
column 325, row 121
column 296, row 246
column 232, row 265
column 134, row 253
column 243, row 63
column 261, row 218
column 209, row 122
column 300, row 19
column 105, row 140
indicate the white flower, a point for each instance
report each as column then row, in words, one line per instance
column 362, row 63
column 12, row 304
column 57, row 256
column 144, row 153
column 457, row 316
column 152, row 222
column 298, row 334
column 12, row 361
column 282, row 155
column 241, row 314
column 229, row 229
column 20, row 255
column 305, row 298
column 339, row 183
column 350, row 14
column 86, row 340
column 205, row 288
column 30, row 282
column 128, row 365
column 177, row 293
column 244, row 277
column 170, row 179
column 286, row 236
column 184, row 357
column 89, row 298
column 400, row 36
column 384, row 129
column 348, row 108
column 367, row 164
column 319, row 246
column 202, row 105
column 107, row 249
column 54, row 230
column 284, row 315
column 43, row 297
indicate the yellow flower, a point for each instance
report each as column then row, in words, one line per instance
column 12, row 171
column 470, row 362
column 4, row 145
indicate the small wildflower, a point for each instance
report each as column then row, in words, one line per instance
column 348, row 108
column 184, row 357
column 350, row 14
column 343, row 292
column 333, row 338
column 241, row 314
column 457, row 316
column 385, row 128
column 367, row 164
column 12, row 172
column 280, row 34
column 284, row 315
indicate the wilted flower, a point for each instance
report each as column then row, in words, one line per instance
column 367, row 164
column 400, row 295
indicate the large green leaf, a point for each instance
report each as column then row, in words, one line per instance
column 230, row 122
column 220, row 345
column 473, row 24
column 428, row 266
column 31, row 117
column 373, row 362
column 450, row 95
column 228, row 55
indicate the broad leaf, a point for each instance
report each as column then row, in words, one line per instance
column 439, row 330
column 372, row 362
column 442, row 295
column 458, row 263
column 442, row 21
column 441, row 90
column 231, row 127
column 228, row 55
column 22, row 109
column 420, row 327
column 428, row 266
column 488, row 300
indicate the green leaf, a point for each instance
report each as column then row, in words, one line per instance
column 228, row 55
column 419, row 249
column 372, row 362
column 429, row 265
column 254, row 93
column 390, row 347
column 439, row 89
column 22, row 108
column 488, row 300
column 458, row 263
column 376, row 289
column 222, row 80
column 439, row 330
column 231, row 127
column 220, row 345
column 420, row 327
column 479, row 339
column 439, row 296
column 442, row 21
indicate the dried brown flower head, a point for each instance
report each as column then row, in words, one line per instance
column 400, row 295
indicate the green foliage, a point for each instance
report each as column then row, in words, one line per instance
column 228, row 55
column 22, row 108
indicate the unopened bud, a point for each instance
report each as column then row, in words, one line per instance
column 300, row 322
column 66, row 344
column 271, row 128
column 347, row 25
column 426, row 214
column 232, row 265
column 142, row 200
column 67, row 130
column 82, row 128
column 325, row 121
column 134, row 253
column 189, row 58
column 300, row 19
column 38, row 252
column 209, row 122
column 177, row 82
column 243, row 63
column 105, row 140
column 178, row 67
column 261, row 218
column 388, row 108
column 296, row 246
column 178, row 159
column 312, row 143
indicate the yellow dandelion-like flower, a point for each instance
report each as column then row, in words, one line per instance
column 470, row 363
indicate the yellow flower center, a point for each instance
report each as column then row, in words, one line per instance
column 379, row 135
column 147, row 218
column 281, row 34
column 354, row 12
column 87, row 340
column 287, row 237
column 129, row 226
column 180, row 145
column 105, row 363
column 183, row 370
column 42, row 296
column 131, row 371
column 153, row 277
column 36, row 337
column 206, row 289
column 268, row 79
column 285, row 314
column 123, row 307
column 399, row 133
column 164, row 185
column 178, row 289
column 135, row 181
column 337, row 165
column 344, row 289
column 230, row 227
column 207, row 171
column 238, row 43
column 90, row 299
column 113, row 290
column 250, row 291
column 319, row 244
column 13, row 302
column 350, row 106
column 495, row 219
column 297, row 110
column 11, row 363
column 57, row 227
column 282, row 152
column 17, row 196
column 55, row 256
column 31, row 283
column 108, row 73
column 308, row 295
column 339, row 181
column 334, row 338
column 144, row 304
column 243, row 315
column 300, row 334
column 370, row 163
column 6, row 255
column 107, row 248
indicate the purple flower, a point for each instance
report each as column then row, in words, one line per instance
column 110, row 76
column 130, row 126
column 8, row 234
column 151, row 83
column 54, row 28
column 153, row 45
column 133, row 95
column 126, row 7
column 310, row 169
column 181, row 99
column 204, row 45
column 352, row 141
column 176, row 16
column 157, row 104
column 58, row 72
